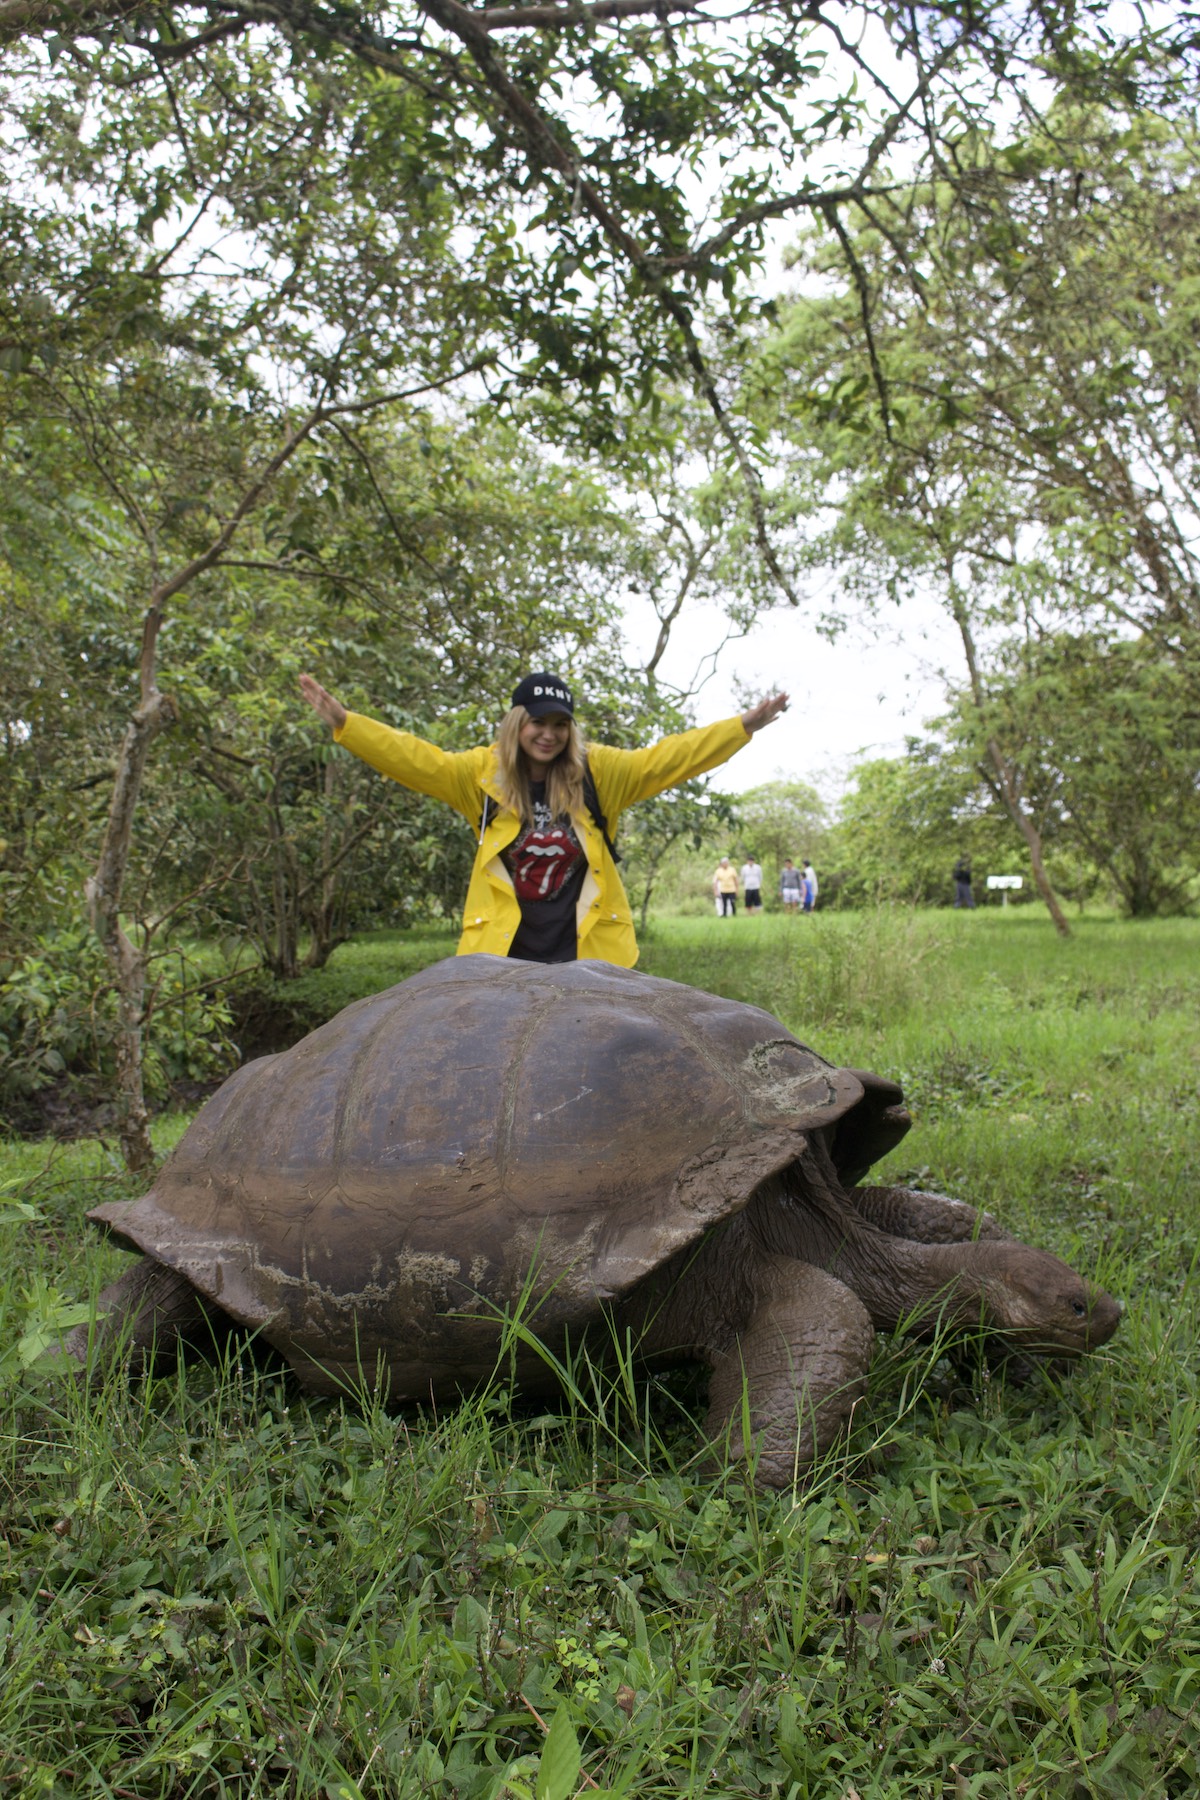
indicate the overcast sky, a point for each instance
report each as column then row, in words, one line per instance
column 857, row 697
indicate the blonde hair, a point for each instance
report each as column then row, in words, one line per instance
column 564, row 777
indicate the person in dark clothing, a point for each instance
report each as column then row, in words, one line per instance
column 962, row 883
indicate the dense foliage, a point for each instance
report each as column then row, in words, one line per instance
column 1019, row 437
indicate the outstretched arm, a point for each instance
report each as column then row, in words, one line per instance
column 765, row 713
column 324, row 705
column 452, row 776
column 623, row 776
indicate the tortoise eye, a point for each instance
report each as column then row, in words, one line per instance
column 1078, row 1308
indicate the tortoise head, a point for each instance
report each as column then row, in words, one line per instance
column 1040, row 1304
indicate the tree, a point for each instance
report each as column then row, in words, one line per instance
column 1105, row 737
column 1021, row 436
column 905, row 822
column 614, row 166
column 182, row 400
column 1109, row 739
column 393, row 560
column 684, row 818
column 780, row 819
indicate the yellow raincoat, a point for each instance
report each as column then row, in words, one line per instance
column 462, row 778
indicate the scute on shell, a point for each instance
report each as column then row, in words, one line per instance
column 485, row 1136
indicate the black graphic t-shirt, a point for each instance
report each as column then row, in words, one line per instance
column 547, row 865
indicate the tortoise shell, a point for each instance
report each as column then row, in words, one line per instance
column 487, row 1138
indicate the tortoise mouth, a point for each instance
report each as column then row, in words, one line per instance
column 1104, row 1315
column 1095, row 1328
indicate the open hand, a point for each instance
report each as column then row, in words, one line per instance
column 323, row 703
column 765, row 712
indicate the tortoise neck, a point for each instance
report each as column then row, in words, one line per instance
column 898, row 1280
column 914, row 1285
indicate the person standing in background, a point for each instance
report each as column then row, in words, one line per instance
column 752, row 884
column 809, row 875
column 725, row 886
column 962, row 883
column 791, row 886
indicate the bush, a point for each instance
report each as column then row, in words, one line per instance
column 58, row 1011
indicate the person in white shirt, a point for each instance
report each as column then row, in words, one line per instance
column 809, row 875
column 752, row 884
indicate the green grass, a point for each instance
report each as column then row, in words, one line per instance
column 215, row 1587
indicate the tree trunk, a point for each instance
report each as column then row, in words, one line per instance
column 102, row 892
column 324, row 913
column 284, row 961
column 325, row 938
column 1005, row 786
column 647, row 890
column 154, row 712
column 1138, row 885
column 654, row 864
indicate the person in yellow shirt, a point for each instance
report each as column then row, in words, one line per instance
column 544, row 808
column 725, row 887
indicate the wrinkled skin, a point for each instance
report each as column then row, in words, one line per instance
column 788, row 1295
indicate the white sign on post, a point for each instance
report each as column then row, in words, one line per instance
column 1005, row 882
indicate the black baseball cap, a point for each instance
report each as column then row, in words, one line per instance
column 543, row 694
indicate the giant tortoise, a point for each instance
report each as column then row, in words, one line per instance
column 598, row 1151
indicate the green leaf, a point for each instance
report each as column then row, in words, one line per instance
column 558, row 1769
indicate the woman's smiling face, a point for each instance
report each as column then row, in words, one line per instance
column 543, row 740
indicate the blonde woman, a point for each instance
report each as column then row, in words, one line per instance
column 544, row 808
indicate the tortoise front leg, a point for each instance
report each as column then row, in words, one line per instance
column 925, row 1218
column 152, row 1309
column 801, row 1359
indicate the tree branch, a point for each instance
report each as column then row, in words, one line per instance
column 859, row 275
column 322, row 413
column 561, row 18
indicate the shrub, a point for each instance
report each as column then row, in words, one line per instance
column 58, row 1010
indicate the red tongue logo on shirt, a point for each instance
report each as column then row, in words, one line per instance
column 542, row 863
